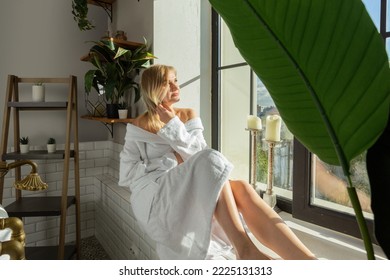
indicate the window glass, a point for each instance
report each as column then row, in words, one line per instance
column 283, row 151
column 373, row 8
column 329, row 185
column 229, row 53
column 235, row 88
column 388, row 17
column 235, row 102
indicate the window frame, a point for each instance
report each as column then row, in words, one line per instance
column 300, row 206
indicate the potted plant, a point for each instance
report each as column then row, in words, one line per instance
column 80, row 11
column 24, row 145
column 115, row 71
column 80, row 14
column 123, row 110
column 38, row 92
column 51, row 145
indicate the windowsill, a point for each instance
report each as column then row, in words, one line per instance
column 327, row 244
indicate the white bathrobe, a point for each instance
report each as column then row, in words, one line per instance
column 174, row 204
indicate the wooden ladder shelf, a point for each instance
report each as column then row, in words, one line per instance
column 44, row 205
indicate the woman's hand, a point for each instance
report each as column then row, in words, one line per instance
column 178, row 157
column 165, row 113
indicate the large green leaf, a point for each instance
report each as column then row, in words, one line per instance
column 324, row 64
column 103, row 52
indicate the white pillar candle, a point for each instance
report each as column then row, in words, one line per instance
column 254, row 122
column 272, row 129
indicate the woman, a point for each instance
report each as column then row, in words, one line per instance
column 180, row 187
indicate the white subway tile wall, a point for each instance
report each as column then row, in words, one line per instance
column 105, row 210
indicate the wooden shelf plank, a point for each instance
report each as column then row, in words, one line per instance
column 39, row 105
column 43, row 80
column 36, row 154
column 37, row 206
column 107, row 120
column 129, row 45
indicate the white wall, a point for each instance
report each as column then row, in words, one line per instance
column 41, row 39
column 136, row 20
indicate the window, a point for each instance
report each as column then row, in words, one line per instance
column 306, row 187
column 283, row 151
column 329, row 186
column 234, row 85
column 387, row 16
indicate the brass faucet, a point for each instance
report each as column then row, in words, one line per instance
column 32, row 182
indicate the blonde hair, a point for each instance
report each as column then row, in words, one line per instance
column 153, row 80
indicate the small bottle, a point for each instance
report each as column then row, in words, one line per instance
column 121, row 35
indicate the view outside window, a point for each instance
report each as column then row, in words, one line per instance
column 374, row 9
column 328, row 182
column 388, row 17
column 329, row 185
column 283, row 151
column 388, row 47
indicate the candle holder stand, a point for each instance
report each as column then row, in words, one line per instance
column 254, row 133
column 269, row 196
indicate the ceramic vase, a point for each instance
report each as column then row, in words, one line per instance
column 38, row 93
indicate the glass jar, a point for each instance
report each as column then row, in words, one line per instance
column 121, row 35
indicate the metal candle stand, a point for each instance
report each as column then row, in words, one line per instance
column 269, row 196
column 254, row 134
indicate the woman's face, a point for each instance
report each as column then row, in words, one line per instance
column 173, row 90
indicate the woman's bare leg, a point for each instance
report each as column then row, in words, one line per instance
column 227, row 215
column 266, row 225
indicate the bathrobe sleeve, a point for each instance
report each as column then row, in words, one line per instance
column 186, row 139
column 136, row 169
column 131, row 164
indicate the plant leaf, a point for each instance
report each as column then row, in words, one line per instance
column 103, row 52
column 120, row 52
column 325, row 66
column 88, row 80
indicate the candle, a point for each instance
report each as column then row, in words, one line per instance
column 272, row 129
column 254, row 122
